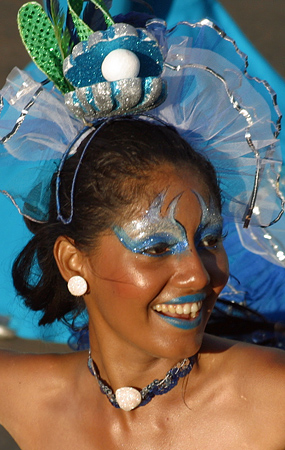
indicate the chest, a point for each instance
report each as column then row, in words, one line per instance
column 193, row 429
column 211, row 420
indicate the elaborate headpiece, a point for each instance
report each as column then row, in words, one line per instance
column 193, row 77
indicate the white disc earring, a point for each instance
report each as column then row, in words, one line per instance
column 77, row 286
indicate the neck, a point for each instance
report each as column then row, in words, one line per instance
column 129, row 398
column 128, row 366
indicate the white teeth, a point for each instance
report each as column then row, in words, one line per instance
column 164, row 308
column 185, row 308
column 194, row 307
column 179, row 309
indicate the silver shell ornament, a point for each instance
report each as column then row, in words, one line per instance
column 94, row 96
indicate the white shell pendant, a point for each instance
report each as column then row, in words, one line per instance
column 128, row 398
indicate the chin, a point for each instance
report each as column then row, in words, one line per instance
column 179, row 345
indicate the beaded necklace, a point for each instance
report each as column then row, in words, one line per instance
column 128, row 398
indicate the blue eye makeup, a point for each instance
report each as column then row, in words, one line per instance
column 209, row 232
column 155, row 235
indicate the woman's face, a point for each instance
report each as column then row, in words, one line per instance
column 154, row 280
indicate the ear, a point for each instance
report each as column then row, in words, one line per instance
column 68, row 258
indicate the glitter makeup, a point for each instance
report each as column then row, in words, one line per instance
column 154, row 234
column 211, row 225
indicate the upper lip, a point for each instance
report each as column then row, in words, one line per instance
column 193, row 298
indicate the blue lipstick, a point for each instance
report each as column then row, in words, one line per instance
column 187, row 299
column 184, row 324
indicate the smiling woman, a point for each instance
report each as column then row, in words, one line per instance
column 120, row 159
column 127, row 283
column 154, row 264
column 125, row 211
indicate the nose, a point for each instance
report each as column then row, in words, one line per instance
column 190, row 272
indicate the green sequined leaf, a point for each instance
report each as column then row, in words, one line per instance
column 39, row 38
column 101, row 5
column 77, row 6
column 82, row 30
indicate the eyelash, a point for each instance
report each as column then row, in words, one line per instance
column 163, row 246
column 217, row 238
column 166, row 248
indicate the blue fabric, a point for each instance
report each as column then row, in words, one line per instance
column 261, row 283
column 253, row 280
column 194, row 10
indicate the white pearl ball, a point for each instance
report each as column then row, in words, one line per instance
column 119, row 64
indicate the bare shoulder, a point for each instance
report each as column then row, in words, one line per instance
column 263, row 383
column 28, row 381
column 250, row 380
column 257, row 377
column 265, row 365
column 270, row 360
column 261, row 367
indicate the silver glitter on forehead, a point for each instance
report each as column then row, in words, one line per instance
column 210, row 214
column 154, row 223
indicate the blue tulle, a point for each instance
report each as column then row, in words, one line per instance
column 260, row 283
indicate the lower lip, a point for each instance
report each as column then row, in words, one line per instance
column 183, row 324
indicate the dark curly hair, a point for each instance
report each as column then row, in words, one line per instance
column 113, row 174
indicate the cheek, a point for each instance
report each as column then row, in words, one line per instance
column 125, row 275
column 130, row 282
column 217, row 266
column 220, row 271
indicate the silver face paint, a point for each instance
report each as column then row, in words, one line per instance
column 154, row 234
column 211, row 225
